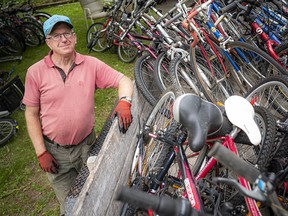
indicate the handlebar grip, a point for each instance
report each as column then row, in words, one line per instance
column 253, row 2
column 229, row 7
column 161, row 205
column 173, row 19
column 230, row 160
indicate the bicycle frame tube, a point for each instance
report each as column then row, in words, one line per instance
column 264, row 37
column 193, row 194
column 251, row 204
column 265, row 28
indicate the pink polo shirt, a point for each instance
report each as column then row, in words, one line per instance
column 67, row 108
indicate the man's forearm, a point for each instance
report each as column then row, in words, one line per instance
column 125, row 87
column 35, row 131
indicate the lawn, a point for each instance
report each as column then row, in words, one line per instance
column 24, row 188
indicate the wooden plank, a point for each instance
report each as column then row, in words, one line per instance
column 111, row 167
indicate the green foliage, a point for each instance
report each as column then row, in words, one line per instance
column 24, row 188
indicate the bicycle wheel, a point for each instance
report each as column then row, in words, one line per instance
column 7, row 130
column 37, row 28
column 260, row 155
column 271, row 93
column 144, row 78
column 96, row 40
column 30, row 36
column 127, row 51
column 41, row 16
column 161, row 71
column 150, row 153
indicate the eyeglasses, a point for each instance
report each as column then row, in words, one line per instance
column 57, row 37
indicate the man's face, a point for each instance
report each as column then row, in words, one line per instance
column 62, row 40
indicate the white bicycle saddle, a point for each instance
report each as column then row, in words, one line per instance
column 241, row 114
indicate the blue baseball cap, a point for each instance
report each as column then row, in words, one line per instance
column 53, row 20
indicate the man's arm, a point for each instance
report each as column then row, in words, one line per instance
column 34, row 129
column 125, row 91
column 125, row 87
column 46, row 161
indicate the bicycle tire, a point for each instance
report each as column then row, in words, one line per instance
column 7, row 130
column 97, row 41
column 126, row 50
column 161, row 72
column 37, row 28
column 271, row 93
column 158, row 119
column 30, row 36
column 260, row 155
column 41, row 16
column 34, row 24
column 153, row 152
column 144, row 78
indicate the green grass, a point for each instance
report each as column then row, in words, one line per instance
column 24, row 188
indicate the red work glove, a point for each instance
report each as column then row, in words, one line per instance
column 48, row 163
column 122, row 110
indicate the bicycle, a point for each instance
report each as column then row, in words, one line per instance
column 264, row 188
column 162, row 139
column 101, row 36
column 228, row 58
column 257, row 27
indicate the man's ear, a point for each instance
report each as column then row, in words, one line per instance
column 48, row 43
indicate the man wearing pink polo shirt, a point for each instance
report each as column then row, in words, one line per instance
column 59, row 99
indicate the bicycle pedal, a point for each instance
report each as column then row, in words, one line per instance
column 174, row 182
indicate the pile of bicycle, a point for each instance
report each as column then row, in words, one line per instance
column 195, row 65
column 215, row 72
column 20, row 26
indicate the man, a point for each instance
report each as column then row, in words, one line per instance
column 59, row 99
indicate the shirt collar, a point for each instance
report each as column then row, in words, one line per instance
column 48, row 61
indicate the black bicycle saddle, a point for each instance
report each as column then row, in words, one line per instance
column 200, row 117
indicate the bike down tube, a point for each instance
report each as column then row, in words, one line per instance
column 189, row 181
column 251, row 203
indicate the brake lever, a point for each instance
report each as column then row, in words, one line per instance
column 256, row 193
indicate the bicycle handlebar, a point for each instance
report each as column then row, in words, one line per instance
column 230, row 7
column 161, row 205
column 229, row 159
column 236, row 4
